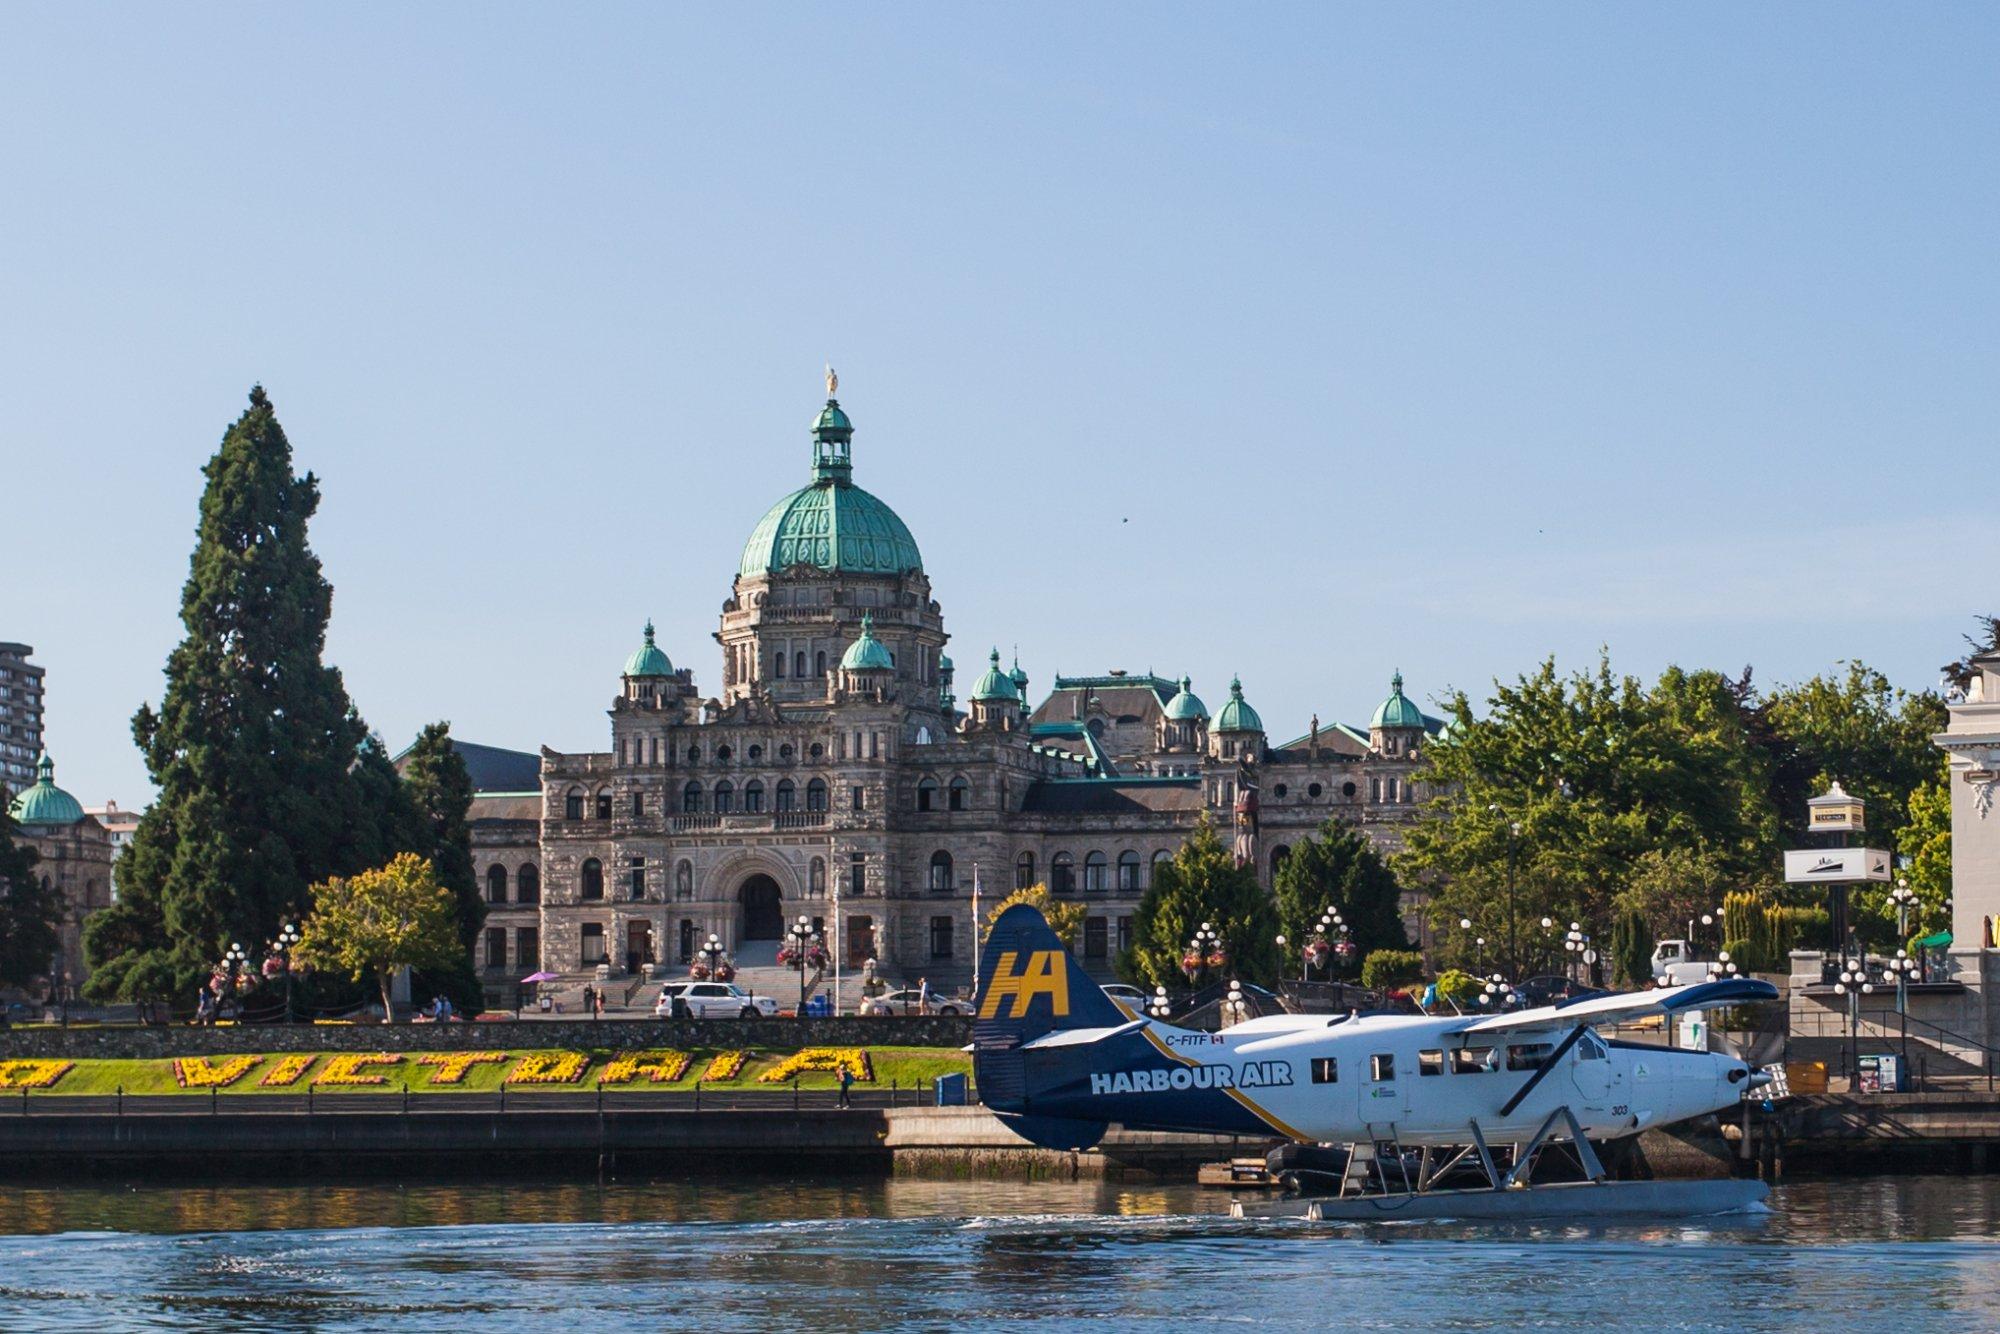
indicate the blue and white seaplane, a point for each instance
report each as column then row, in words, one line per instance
column 1418, row 1103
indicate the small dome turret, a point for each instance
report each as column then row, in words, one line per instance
column 866, row 653
column 648, row 659
column 1397, row 710
column 994, row 684
column 1237, row 715
column 1186, row 706
column 45, row 803
column 1020, row 679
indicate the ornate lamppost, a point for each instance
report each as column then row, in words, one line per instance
column 1574, row 942
column 1723, row 967
column 1204, row 952
column 279, row 962
column 1903, row 969
column 1854, row 983
column 1497, row 994
column 1159, row 1007
column 1234, row 1008
column 234, row 960
column 803, row 949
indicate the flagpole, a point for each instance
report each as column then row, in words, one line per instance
column 975, row 929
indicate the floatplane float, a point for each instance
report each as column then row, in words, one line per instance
column 1406, row 1109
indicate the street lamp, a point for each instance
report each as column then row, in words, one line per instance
column 1234, row 1008
column 803, row 944
column 234, row 960
column 1497, row 994
column 281, row 948
column 1159, row 1006
column 1723, row 967
column 1204, row 951
column 1854, row 983
column 1573, row 945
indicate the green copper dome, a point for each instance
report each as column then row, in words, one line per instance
column 647, row 659
column 45, row 803
column 1186, row 706
column 1397, row 710
column 995, row 684
column 832, row 523
column 1237, row 715
column 866, row 653
column 1020, row 679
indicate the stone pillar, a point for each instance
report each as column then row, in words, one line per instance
column 1972, row 739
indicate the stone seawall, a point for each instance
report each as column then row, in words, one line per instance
column 126, row 1042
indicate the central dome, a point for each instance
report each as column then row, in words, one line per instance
column 831, row 523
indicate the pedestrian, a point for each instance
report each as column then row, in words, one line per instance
column 846, row 1079
column 598, row 1003
column 589, row 999
column 923, row 995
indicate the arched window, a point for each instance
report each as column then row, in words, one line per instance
column 1062, row 874
column 816, row 877
column 691, row 798
column 1024, row 871
column 1094, row 872
column 927, row 794
column 816, row 795
column 960, row 793
column 722, row 754
column 684, row 881
column 604, row 804
column 753, row 797
column 756, row 754
column 496, row 884
column 785, row 753
column 819, row 663
column 818, row 751
column 725, row 797
column 799, row 663
column 787, row 796
column 1128, row 872
column 694, row 754
column 573, row 804
column 778, row 664
column 593, row 880
column 1160, row 855
column 941, row 872
column 528, row 886
column 1278, row 856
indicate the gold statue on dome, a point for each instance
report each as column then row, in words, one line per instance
column 832, row 380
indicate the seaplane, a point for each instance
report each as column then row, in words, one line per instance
column 1419, row 1103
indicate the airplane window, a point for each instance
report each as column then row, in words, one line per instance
column 1381, row 1067
column 1528, row 1056
column 1430, row 1062
column 1589, row 1048
column 1473, row 1060
column 1326, row 1070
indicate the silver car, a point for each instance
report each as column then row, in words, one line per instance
column 910, row 1001
column 711, row 1000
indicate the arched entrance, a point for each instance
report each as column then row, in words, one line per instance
column 763, row 912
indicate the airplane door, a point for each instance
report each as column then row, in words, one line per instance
column 1590, row 1068
column 1385, row 1088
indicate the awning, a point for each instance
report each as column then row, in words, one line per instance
column 1935, row 941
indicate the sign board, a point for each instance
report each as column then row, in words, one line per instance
column 1839, row 817
column 1836, row 866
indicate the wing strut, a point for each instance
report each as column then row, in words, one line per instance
column 1541, row 1071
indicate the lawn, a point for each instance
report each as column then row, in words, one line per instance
column 901, row 1066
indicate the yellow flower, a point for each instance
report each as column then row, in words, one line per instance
column 287, row 1071
column 726, row 1065
column 549, row 1067
column 659, row 1067
column 195, row 1072
column 32, row 1074
column 811, row 1059
column 345, row 1071
column 450, row 1067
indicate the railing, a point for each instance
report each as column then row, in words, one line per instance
column 45, row 1103
column 1883, row 1043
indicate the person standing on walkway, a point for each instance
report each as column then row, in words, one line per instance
column 846, row 1080
column 598, row 1012
column 589, row 999
column 923, row 995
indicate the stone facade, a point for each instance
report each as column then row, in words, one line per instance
column 834, row 775
column 76, row 856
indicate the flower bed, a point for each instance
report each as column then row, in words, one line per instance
column 549, row 1067
column 349, row 1071
column 33, row 1074
column 659, row 1067
column 196, row 1072
column 811, row 1059
column 726, row 1065
column 449, row 1067
column 287, row 1071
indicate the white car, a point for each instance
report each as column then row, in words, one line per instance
column 711, row 1000
column 910, row 1001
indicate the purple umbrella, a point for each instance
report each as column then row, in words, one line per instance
column 539, row 977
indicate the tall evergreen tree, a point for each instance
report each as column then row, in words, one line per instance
column 29, row 909
column 1202, row 883
column 252, row 747
column 440, row 792
column 1340, row 869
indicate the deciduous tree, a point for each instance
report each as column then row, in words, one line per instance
column 1339, row 868
column 398, row 916
column 1064, row 916
column 29, row 908
column 1202, row 883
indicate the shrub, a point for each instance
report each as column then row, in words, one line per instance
column 1458, row 986
column 1387, row 968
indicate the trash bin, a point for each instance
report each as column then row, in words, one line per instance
column 819, row 1007
column 949, row 1091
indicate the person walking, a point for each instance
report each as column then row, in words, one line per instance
column 923, row 995
column 598, row 1003
column 589, row 999
column 846, row 1081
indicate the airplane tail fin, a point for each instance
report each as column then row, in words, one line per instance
column 1030, row 986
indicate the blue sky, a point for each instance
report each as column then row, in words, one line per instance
column 1303, row 342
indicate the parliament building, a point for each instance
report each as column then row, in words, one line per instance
column 839, row 766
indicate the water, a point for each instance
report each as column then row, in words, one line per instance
column 1909, row 1253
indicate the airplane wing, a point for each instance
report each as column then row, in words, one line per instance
column 1625, row 1005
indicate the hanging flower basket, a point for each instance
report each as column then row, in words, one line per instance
column 1345, row 951
column 725, row 972
column 699, row 972
column 1316, row 951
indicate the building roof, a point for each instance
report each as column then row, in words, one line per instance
column 994, row 683
column 1237, row 715
column 45, row 803
column 648, row 659
column 1186, row 706
column 1112, row 796
column 1397, row 710
column 491, row 768
column 866, row 653
column 831, row 523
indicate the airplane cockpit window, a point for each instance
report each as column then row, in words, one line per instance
column 1528, row 1055
column 1590, row 1048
